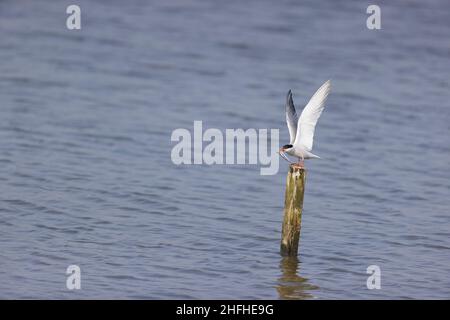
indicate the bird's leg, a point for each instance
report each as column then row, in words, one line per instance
column 301, row 163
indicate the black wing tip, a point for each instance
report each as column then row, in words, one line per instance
column 289, row 97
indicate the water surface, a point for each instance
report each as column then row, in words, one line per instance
column 86, row 176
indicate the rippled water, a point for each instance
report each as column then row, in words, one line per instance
column 86, row 175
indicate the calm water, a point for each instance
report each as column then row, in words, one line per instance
column 86, row 176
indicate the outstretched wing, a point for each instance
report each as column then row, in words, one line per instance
column 291, row 117
column 310, row 115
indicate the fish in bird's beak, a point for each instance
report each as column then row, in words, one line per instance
column 283, row 155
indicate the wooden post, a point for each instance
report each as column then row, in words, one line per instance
column 293, row 204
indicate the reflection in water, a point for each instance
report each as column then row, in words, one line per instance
column 290, row 284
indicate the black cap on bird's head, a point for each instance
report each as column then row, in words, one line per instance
column 283, row 149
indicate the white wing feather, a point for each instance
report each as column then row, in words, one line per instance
column 310, row 114
column 291, row 117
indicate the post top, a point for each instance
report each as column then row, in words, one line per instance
column 295, row 168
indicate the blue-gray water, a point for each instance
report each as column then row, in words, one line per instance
column 86, row 176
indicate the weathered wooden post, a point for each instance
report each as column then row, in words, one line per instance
column 293, row 204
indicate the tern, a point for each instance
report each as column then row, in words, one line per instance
column 301, row 129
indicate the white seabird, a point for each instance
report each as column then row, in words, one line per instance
column 301, row 130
